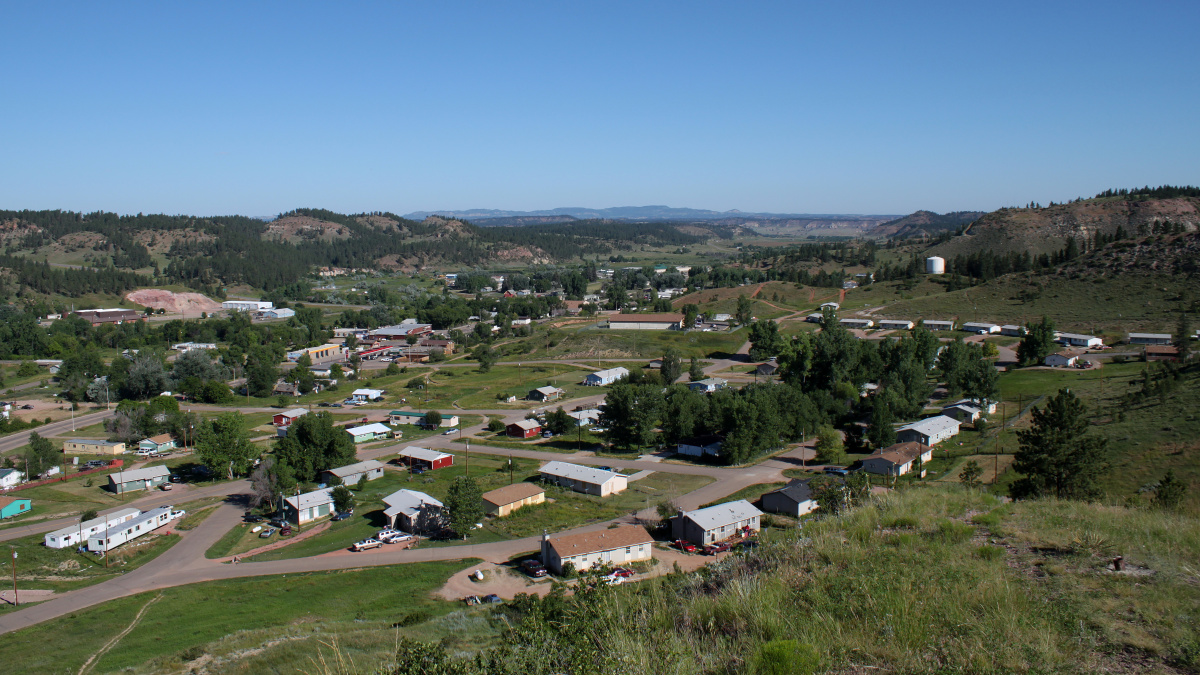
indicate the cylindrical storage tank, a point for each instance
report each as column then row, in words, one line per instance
column 935, row 265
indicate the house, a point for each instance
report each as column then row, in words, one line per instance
column 156, row 444
column 352, row 474
column 895, row 324
column 716, row 523
column 1149, row 338
column 617, row 546
column 708, row 385
column 980, row 327
column 326, row 352
column 929, row 431
column 285, row 389
column 137, row 479
column 284, row 313
column 585, row 417
column 73, row 535
column 1063, row 359
column 503, row 501
column 524, row 429
column 406, row 417
column 545, row 394
column 413, row 512
column 1079, row 340
column 247, row 305
column 830, row 305
column 856, row 323
column 522, row 321
column 426, row 459
column 663, row 321
column 87, row 446
column 307, row 507
column 898, row 459
column 1013, row 330
column 585, row 479
column 131, row 529
column 794, row 499
column 815, row 317
column 1160, row 353
column 447, row 346
column 189, row 346
column 849, row 284
column 14, row 506
column 97, row 317
column 722, row 317
column 11, row 478
column 369, row 432
column 286, row 417
column 963, row 411
column 986, row 407
column 766, row 369
column 700, row 446
column 367, row 394
column 603, row 378
column 933, row 324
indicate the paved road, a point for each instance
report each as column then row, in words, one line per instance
column 14, row 441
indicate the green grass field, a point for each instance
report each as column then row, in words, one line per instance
column 262, row 625
column 603, row 343
column 470, row 389
column 751, row 493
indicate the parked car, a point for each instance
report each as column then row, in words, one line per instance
column 533, row 568
column 472, row 600
column 607, row 468
column 367, row 544
column 685, row 546
column 493, row 598
column 285, row 531
column 623, row 572
column 267, row 533
column 335, row 405
column 341, row 516
column 837, row 471
column 719, row 547
column 612, row 579
column 449, row 432
column 95, row 464
column 165, row 487
column 279, row 522
column 418, row 470
column 252, row 518
column 175, row 478
column 324, row 404
column 27, row 406
column 396, row 538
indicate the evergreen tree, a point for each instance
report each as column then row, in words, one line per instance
column 695, row 372
column 1183, row 334
column 1170, row 491
column 464, row 501
column 672, row 366
column 1057, row 457
column 882, row 431
column 745, row 307
column 1037, row 343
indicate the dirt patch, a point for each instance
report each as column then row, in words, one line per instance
column 280, row 543
column 174, row 303
column 303, row 228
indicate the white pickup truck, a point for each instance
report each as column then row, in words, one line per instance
column 367, row 544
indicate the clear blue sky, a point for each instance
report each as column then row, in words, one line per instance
column 260, row 107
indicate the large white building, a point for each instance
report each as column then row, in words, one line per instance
column 616, row 546
column 585, row 479
column 981, row 327
column 603, row 378
column 929, row 431
column 247, row 305
column 1149, row 338
column 1080, row 340
column 895, row 324
column 645, row 321
column 131, row 529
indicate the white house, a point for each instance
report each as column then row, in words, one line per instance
column 1012, row 330
column 585, row 418
column 602, row 378
column 617, row 546
column 716, row 523
column 895, row 324
column 189, row 346
column 284, row 313
column 309, row 506
column 1063, row 359
column 708, row 385
column 898, row 459
column 405, row 508
column 369, row 432
column 929, row 431
column 10, row 478
column 351, row 474
column 699, row 446
column 1079, row 340
column 131, row 529
column 830, row 305
column 367, row 394
column 585, row 479
column 73, row 535
column 967, row 410
column 663, row 321
column 981, row 327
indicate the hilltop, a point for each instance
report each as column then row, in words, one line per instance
column 924, row 224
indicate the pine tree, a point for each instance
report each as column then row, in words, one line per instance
column 1057, row 457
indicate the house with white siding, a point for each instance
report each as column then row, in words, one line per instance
column 716, row 523
column 74, row 535
column 585, row 479
column 616, row 546
column 929, row 431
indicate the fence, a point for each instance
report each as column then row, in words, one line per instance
column 63, row 477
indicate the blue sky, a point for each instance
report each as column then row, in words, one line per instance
column 257, row 108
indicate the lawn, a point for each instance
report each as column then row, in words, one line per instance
column 604, row 343
column 751, row 493
column 62, row 569
column 468, row 388
column 264, row 624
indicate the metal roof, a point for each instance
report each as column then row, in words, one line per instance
column 311, row 499
column 423, row 454
column 617, row 372
column 933, row 425
column 797, row 491
column 408, row 502
column 95, row 522
column 293, row 413
column 527, row 425
column 583, row 474
column 722, row 514
column 145, row 473
column 375, row 428
column 358, row 467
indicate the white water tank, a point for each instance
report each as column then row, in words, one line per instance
column 935, row 265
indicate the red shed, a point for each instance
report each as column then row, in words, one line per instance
column 425, row 458
column 286, row 417
column 524, row 429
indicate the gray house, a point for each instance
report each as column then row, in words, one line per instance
column 716, row 523
column 138, row 479
column 794, row 499
column 351, row 474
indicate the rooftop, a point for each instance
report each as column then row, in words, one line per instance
column 408, row 502
column 933, row 425
column 423, row 454
column 145, row 473
column 901, row 453
column 375, row 428
column 797, row 490
column 645, row 318
column 583, row 474
column 722, row 514
column 310, row 499
column 526, row 424
column 601, row 540
column 512, row 493
column 357, row 467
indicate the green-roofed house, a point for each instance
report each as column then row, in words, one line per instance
column 406, row 417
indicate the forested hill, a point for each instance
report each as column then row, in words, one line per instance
column 224, row 250
column 924, row 224
column 1037, row 229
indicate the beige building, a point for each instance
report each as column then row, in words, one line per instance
column 503, row 501
column 87, row 446
column 617, row 546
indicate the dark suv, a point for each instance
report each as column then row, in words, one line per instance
column 533, row 568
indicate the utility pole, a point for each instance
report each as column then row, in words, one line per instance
column 16, row 599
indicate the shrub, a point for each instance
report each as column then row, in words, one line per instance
column 785, row 657
column 495, row 425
